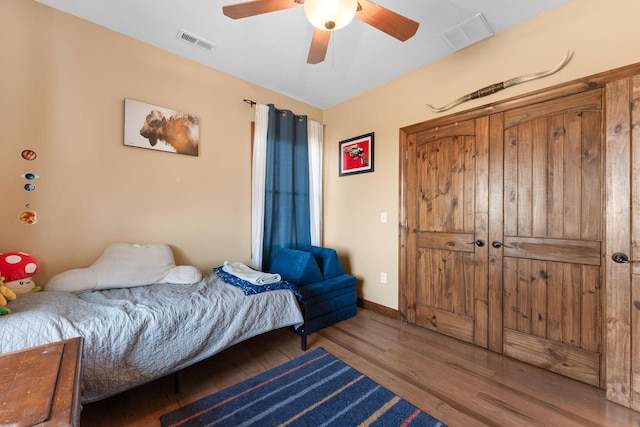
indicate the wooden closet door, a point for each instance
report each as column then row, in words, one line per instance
column 623, row 238
column 447, row 219
column 546, row 237
column 631, row 308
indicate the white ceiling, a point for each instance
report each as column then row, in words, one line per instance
column 270, row 50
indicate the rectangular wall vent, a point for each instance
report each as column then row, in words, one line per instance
column 466, row 33
column 195, row 40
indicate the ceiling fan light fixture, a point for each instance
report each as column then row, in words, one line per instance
column 330, row 15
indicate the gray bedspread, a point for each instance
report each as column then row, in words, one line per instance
column 133, row 336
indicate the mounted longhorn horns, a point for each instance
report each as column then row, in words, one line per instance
column 496, row 87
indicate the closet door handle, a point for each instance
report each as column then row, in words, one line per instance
column 622, row 258
column 498, row 244
column 479, row 243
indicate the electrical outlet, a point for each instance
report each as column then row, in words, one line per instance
column 383, row 277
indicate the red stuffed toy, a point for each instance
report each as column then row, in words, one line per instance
column 17, row 269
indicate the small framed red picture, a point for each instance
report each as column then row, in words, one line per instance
column 356, row 155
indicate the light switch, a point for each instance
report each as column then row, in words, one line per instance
column 383, row 217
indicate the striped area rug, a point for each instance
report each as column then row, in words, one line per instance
column 316, row 389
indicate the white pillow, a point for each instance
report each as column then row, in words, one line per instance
column 125, row 265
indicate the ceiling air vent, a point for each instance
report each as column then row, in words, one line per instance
column 466, row 33
column 195, row 40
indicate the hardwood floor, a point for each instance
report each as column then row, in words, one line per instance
column 457, row 383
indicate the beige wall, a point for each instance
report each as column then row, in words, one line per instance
column 62, row 85
column 603, row 35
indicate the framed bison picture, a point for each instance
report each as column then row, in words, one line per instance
column 162, row 129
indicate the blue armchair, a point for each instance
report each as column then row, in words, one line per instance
column 328, row 294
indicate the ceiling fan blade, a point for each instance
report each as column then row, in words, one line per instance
column 257, row 7
column 319, row 43
column 398, row 26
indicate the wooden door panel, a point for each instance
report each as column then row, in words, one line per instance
column 553, row 187
column 592, row 171
column 618, row 223
column 446, row 185
column 572, row 362
column 446, row 323
column 565, row 250
column 446, row 292
column 455, row 128
column 635, row 343
column 463, row 242
column 510, row 177
column 591, row 309
column 558, row 301
column 583, row 101
column 496, row 218
column 425, row 166
column 572, row 176
column 555, row 178
column 450, row 203
column 447, row 211
column 552, row 235
column 634, row 304
column 446, row 280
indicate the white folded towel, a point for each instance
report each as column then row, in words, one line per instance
column 247, row 273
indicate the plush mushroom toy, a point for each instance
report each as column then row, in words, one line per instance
column 17, row 269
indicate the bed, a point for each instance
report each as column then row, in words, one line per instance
column 135, row 335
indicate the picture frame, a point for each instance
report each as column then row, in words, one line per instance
column 162, row 129
column 356, row 155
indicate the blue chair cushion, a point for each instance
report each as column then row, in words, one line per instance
column 327, row 260
column 340, row 284
column 333, row 301
column 297, row 267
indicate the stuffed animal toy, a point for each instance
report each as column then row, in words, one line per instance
column 5, row 294
column 17, row 269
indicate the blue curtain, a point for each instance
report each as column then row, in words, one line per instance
column 286, row 205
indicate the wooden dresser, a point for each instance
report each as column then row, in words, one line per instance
column 41, row 385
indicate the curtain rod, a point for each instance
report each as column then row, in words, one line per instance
column 252, row 103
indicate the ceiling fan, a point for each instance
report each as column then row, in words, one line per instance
column 330, row 15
